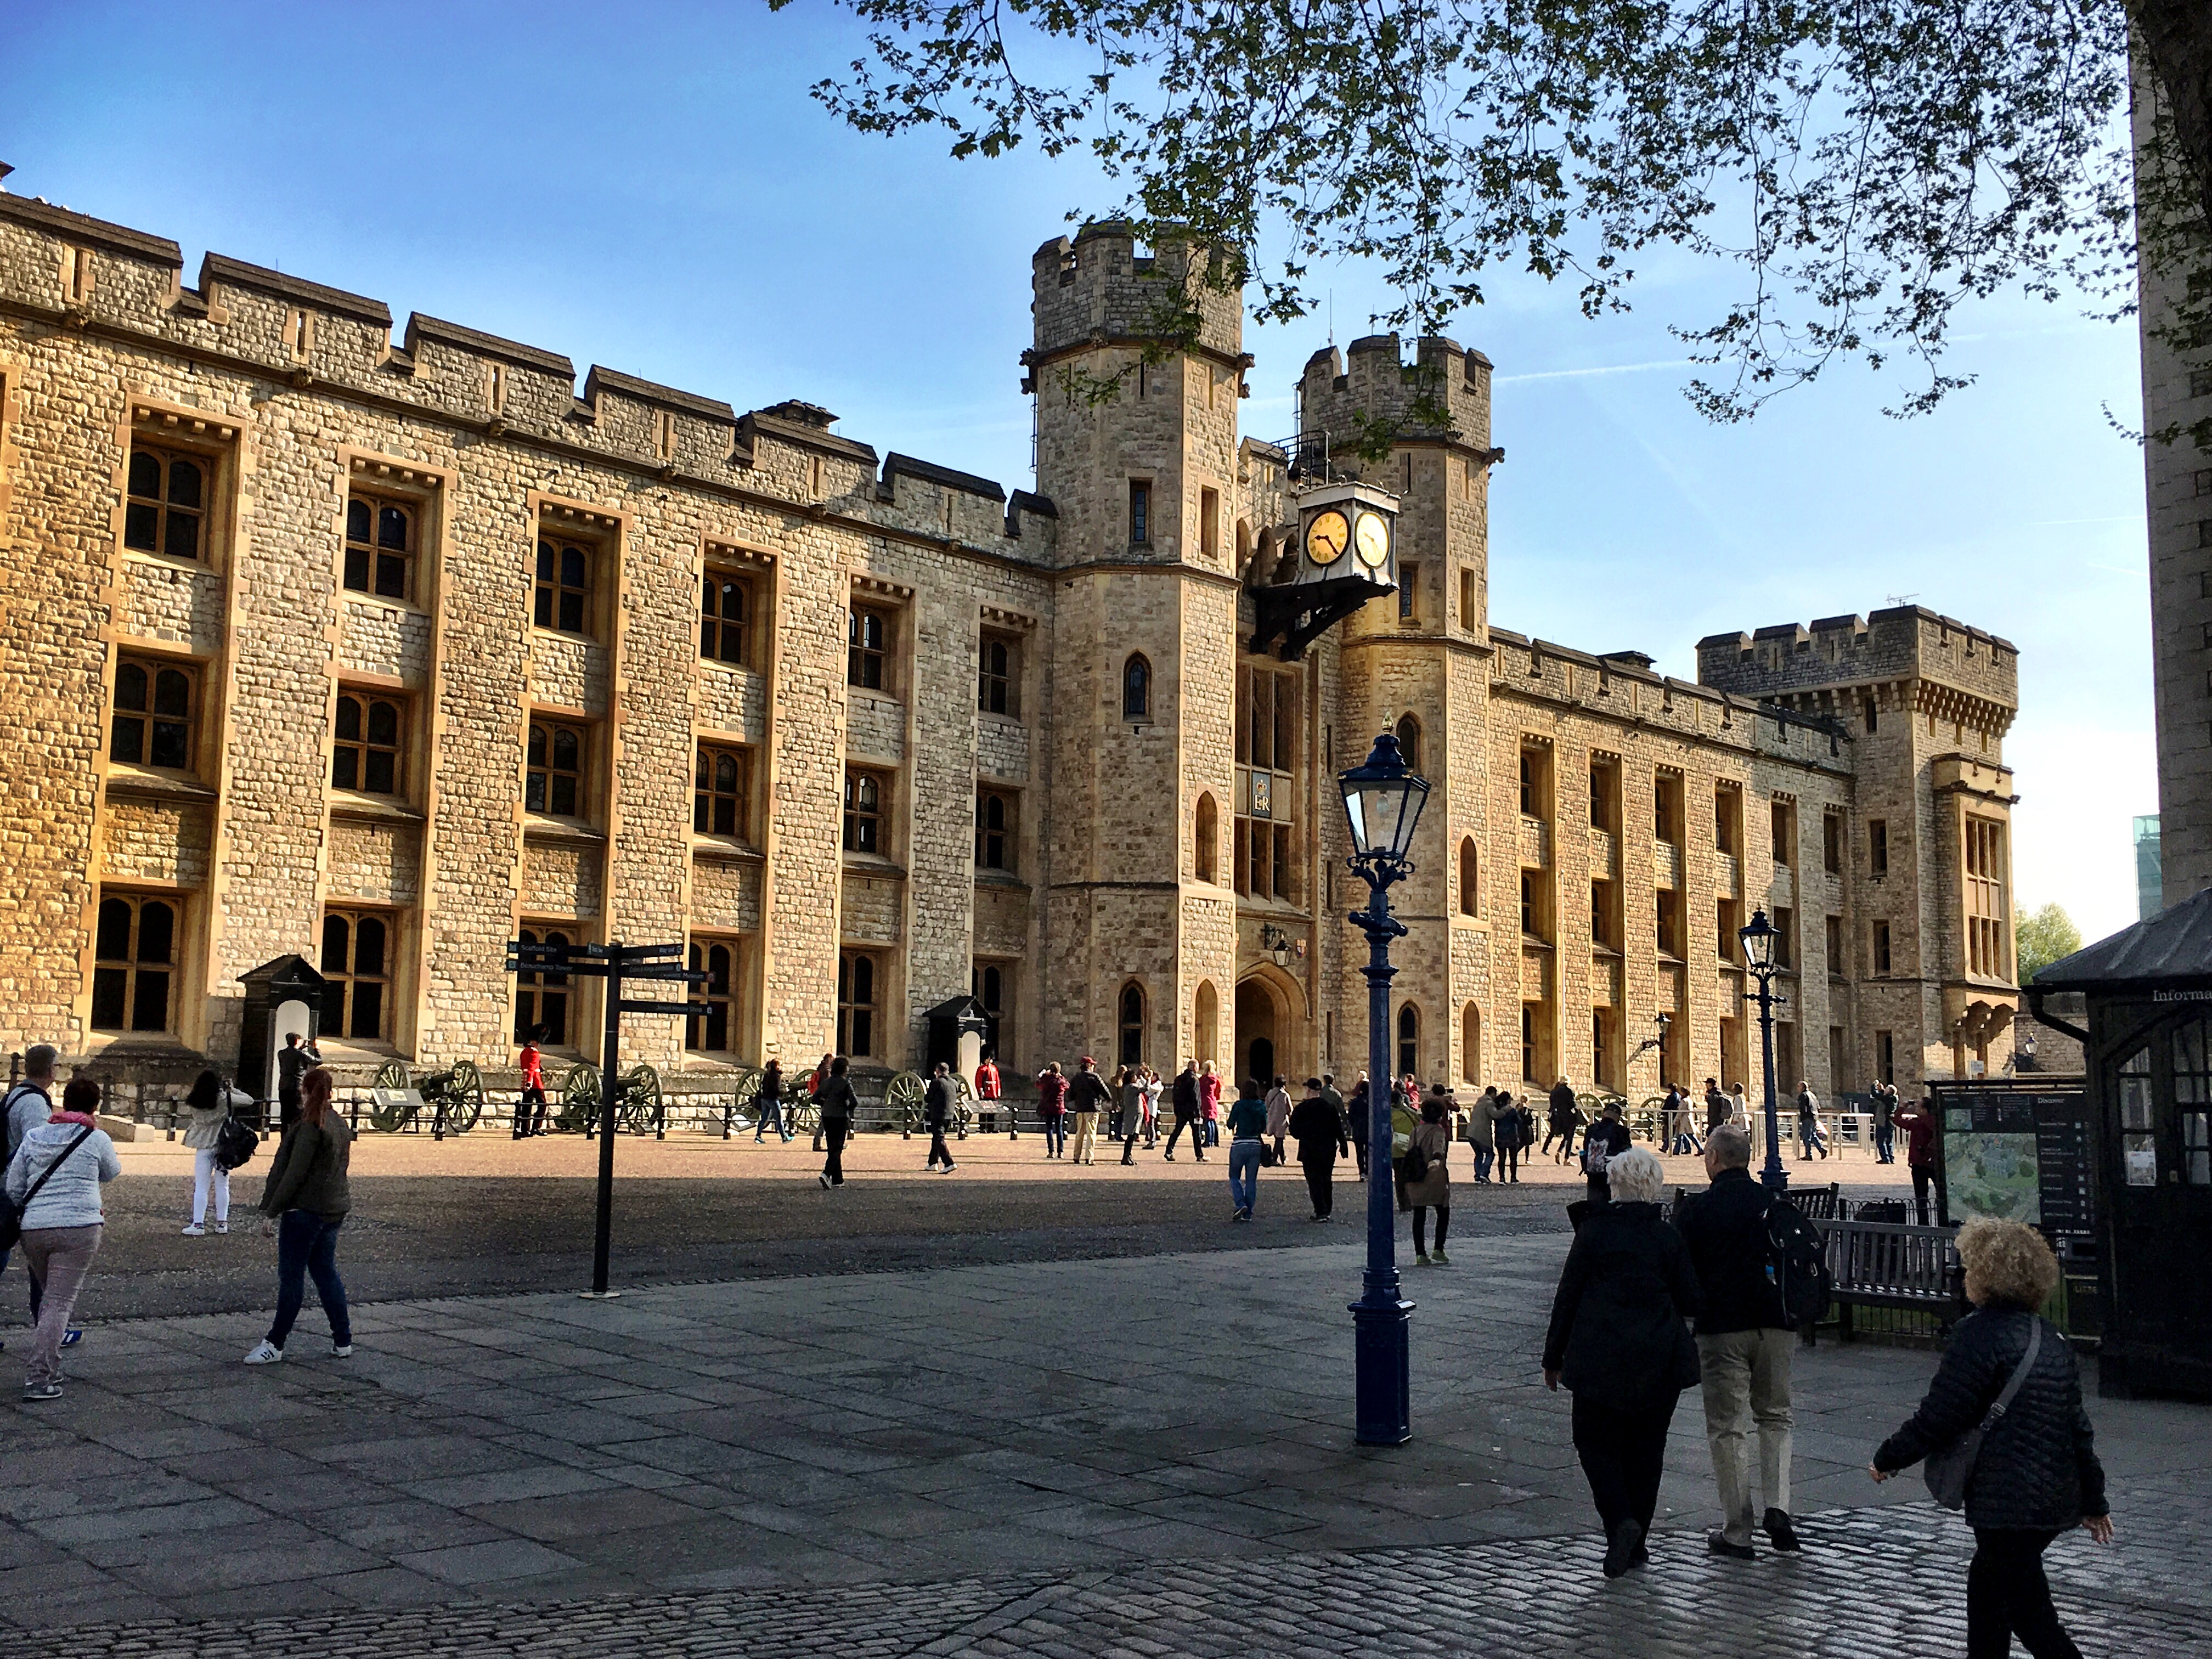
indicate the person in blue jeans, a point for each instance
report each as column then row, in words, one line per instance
column 307, row 1194
column 1248, row 1134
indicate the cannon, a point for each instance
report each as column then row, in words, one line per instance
column 640, row 1107
column 906, row 1094
column 454, row 1097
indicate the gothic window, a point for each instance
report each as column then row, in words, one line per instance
column 1469, row 892
column 1131, row 1050
column 1409, row 1041
column 366, row 754
column 561, row 592
column 1136, row 688
column 998, row 684
column 554, row 779
column 710, row 1033
column 356, row 973
column 726, row 608
column 134, row 958
column 166, row 510
column 864, row 793
column 995, row 821
column 1205, row 838
column 856, row 1004
column 1140, row 511
column 152, row 725
column 722, row 792
column 867, row 638
column 1409, row 742
column 379, row 547
column 541, row 997
column 1470, row 1044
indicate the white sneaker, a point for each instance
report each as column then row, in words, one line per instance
column 341, row 1351
column 222, row 1226
column 193, row 1230
column 265, row 1352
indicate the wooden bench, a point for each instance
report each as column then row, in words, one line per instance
column 1888, row 1264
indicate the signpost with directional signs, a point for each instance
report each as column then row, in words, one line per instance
column 613, row 962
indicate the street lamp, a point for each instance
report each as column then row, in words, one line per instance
column 1382, row 801
column 1758, row 938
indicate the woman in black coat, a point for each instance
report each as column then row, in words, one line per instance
column 2038, row 1474
column 1619, row 1340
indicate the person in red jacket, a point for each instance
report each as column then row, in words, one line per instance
column 1917, row 1120
column 530, row 1115
column 1052, row 1106
column 988, row 1088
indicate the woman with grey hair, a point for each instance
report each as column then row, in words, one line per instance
column 1620, row 1342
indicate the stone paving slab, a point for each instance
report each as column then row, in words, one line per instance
column 987, row 1424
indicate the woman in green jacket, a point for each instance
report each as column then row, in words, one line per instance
column 307, row 1193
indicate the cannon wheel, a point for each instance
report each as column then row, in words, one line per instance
column 805, row 1117
column 641, row 1103
column 579, row 1097
column 465, row 1097
column 963, row 1106
column 903, row 1094
column 745, row 1091
column 392, row 1074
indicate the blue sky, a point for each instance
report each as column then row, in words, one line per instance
column 658, row 193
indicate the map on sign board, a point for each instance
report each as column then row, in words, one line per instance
column 2018, row 1157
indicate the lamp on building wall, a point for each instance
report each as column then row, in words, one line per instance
column 1276, row 942
column 1383, row 802
column 1758, row 939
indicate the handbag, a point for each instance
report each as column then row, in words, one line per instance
column 12, row 1213
column 1947, row 1471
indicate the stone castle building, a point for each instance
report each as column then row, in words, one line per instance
column 387, row 652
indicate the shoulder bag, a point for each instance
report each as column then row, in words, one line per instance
column 12, row 1213
column 1949, row 1471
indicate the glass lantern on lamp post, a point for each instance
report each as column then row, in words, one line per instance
column 1383, row 802
column 1758, row 939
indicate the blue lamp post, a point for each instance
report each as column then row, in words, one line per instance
column 1758, row 939
column 1382, row 801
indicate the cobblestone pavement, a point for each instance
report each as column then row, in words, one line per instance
column 1850, row 1596
column 695, row 1207
column 882, row 1462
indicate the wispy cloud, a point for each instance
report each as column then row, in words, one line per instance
column 1583, row 373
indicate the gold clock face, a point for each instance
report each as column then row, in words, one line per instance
column 1327, row 537
column 1374, row 540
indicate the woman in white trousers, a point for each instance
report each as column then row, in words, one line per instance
column 206, row 1109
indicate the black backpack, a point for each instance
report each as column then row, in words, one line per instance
column 1797, row 1264
column 234, row 1144
column 1415, row 1166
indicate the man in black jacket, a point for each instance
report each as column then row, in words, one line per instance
column 1185, row 1112
column 838, row 1104
column 1743, row 1344
column 937, row 1107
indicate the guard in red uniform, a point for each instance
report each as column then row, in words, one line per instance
column 529, row 1115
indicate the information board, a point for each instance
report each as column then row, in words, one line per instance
column 2018, row 1155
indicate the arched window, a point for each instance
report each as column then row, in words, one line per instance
column 1244, row 545
column 1131, row 1046
column 1136, row 688
column 1206, row 838
column 1470, row 889
column 1409, row 1040
column 1206, row 1023
column 1470, row 1043
column 1409, row 743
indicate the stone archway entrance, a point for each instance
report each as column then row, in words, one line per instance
column 1260, row 1030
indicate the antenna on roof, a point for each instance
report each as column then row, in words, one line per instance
column 1902, row 599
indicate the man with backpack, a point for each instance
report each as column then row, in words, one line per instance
column 1744, row 1339
column 1604, row 1141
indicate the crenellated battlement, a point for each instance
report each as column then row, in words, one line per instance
column 1903, row 642
column 1097, row 290
column 75, row 270
column 1371, row 384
